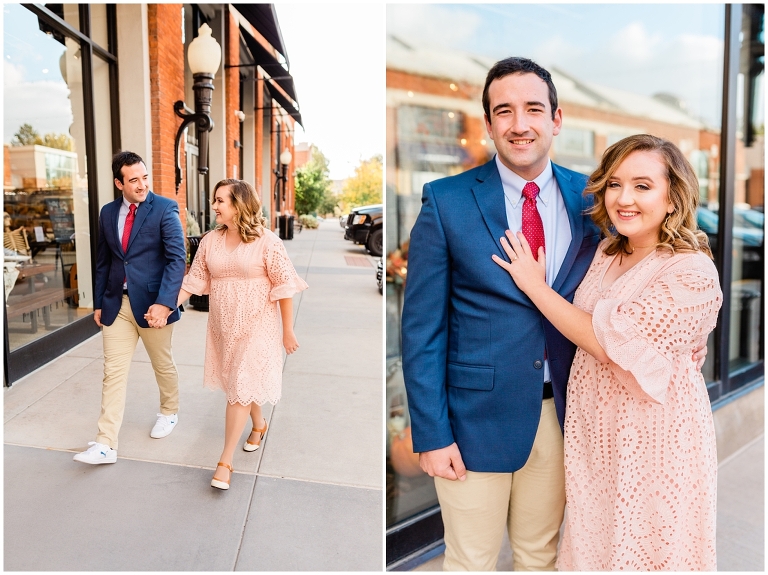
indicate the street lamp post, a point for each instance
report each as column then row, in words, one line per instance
column 282, row 176
column 204, row 57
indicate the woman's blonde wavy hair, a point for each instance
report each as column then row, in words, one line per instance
column 679, row 230
column 248, row 219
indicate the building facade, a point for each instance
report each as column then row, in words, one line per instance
column 435, row 128
column 83, row 81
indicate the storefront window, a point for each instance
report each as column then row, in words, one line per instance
column 748, row 266
column 44, row 171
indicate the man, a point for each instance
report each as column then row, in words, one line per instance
column 485, row 372
column 140, row 265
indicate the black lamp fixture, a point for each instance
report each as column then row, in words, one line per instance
column 282, row 176
column 204, row 57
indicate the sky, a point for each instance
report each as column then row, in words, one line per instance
column 34, row 90
column 337, row 60
column 641, row 48
column 336, row 55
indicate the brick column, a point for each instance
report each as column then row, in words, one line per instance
column 232, row 78
column 260, row 184
column 166, row 72
column 290, row 198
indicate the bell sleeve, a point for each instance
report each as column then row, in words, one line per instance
column 663, row 321
column 285, row 281
column 198, row 280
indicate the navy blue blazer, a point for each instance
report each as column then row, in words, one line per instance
column 473, row 343
column 154, row 263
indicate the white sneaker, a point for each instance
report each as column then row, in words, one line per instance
column 164, row 425
column 97, row 453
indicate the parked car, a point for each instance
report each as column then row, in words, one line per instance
column 748, row 236
column 380, row 275
column 365, row 226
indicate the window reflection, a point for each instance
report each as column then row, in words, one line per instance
column 45, row 182
column 746, row 334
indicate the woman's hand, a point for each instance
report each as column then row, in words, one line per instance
column 528, row 274
column 290, row 343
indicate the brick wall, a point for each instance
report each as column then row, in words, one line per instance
column 166, row 72
column 435, row 86
column 232, row 78
column 7, row 166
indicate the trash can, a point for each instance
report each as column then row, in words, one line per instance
column 285, row 227
column 199, row 302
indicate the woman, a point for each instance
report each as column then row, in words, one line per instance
column 245, row 269
column 640, row 456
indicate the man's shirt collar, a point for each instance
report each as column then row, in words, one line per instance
column 514, row 184
column 127, row 204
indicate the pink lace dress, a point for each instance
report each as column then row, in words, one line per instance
column 640, row 456
column 244, row 341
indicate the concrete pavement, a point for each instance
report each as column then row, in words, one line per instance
column 310, row 499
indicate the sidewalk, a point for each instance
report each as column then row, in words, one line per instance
column 310, row 499
column 740, row 515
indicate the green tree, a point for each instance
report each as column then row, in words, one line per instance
column 26, row 136
column 312, row 182
column 330, row 201
column 365, row 187
column 58, row 141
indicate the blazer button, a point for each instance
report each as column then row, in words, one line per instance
column 537, row 364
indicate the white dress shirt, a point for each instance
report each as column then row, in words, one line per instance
column 554, row 217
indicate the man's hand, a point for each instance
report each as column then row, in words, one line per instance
column 700, row 353
column 157, row 315
column 97, row 317
column 445, row 462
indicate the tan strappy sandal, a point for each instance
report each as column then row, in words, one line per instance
column 248, row 446
column 218, row 483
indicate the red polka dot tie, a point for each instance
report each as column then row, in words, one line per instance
column 533, row 229
column 129, row 226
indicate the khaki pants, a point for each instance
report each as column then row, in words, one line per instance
column 530, row 502
column 120, row 341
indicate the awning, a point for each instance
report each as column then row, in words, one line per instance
column 271, row 66
column 264, row 18
column 284, row 102
column 280, row 75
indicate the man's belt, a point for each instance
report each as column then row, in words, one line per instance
column 548, row 393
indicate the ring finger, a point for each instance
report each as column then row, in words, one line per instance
column 508, row 249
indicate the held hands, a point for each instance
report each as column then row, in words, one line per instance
column 290, row 343
column 445, row 462
column 157, row 315
column 527, row 273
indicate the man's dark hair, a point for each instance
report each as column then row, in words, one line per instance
column 121, row 159
column 516, row 65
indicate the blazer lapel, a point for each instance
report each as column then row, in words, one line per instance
column 141, row 214
column 114, row 221
column 489, row 195
column 574, row 204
